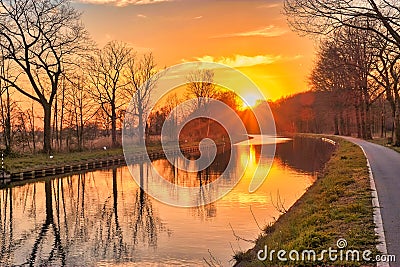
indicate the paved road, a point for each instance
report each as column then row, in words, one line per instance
column 385, row 165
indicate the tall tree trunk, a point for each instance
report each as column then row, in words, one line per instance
column 396, row 126
column 77, row 130
column 383, row 120
column 348, row 122
column 77, row 127
column 113, row 126
column 55, row 124
column 342, row 124
column 7, row 130
column 141, row 129
column 368, row 121
column 47, row 127
column 336, row 122
column 60, row 133
column 33, row 130
column 6, row 121
column 82, row 126
column 358, row 121
column 141, row 125
column 362, row 117
column 367, row 106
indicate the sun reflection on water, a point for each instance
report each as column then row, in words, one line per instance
column 98, row 216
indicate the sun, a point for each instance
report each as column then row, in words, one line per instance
column 250, row 100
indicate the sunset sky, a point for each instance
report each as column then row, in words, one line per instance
column 252, row 36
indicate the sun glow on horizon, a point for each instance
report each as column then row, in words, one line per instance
column 250, row 100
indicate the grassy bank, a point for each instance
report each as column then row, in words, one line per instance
column 384, row 142
column 337, row 205
column 17, row 163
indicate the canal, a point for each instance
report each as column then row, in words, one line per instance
column 104, row 218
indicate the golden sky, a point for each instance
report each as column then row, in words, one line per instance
column 252, row 36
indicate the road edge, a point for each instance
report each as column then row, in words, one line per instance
column 377, row 217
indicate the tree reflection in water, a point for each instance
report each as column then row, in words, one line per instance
column 104, row 217
column 57, row 252
column 6, row 224
column 109, row 240
column 146, row 225
column 77, row 221
column 203, row 210
column 175, row 173
column 142, row 224
column 304, row 154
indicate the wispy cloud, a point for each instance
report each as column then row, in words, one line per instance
column 198, row 17
column 270, row 5
column 123, row 2
column 269, row 31
column 238, row 61
column 296, row 57
column 141, row 16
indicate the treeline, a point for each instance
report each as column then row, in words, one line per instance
column 348, row 68
column 194, row 128
column 59, row 91
column 357, row 62
column 312, row 112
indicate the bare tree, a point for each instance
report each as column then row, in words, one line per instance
column 200, row 85
column 79, row 105
column 378, row 17
column 331, row 74
column 21, row 132
column 343, row 68
column 39, row 37
column 31, row 118
column 324, row 16
column 357, row 50
column 59, row 108
column 106, row 72
column 386, row 74
column 5, row 106
column 142, row 80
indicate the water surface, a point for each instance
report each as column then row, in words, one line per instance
column 104, row 218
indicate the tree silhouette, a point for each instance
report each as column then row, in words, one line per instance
column 40, row 38
column 142, row 76
column 107, row 77
column 57, row 246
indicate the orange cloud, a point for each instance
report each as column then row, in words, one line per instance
column 269, row 31
column 239, row 61
column 270, row 5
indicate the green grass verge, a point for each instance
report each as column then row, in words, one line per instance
column 36, row 161
column 337, row 205
column 383, row 142
column 17, row 163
